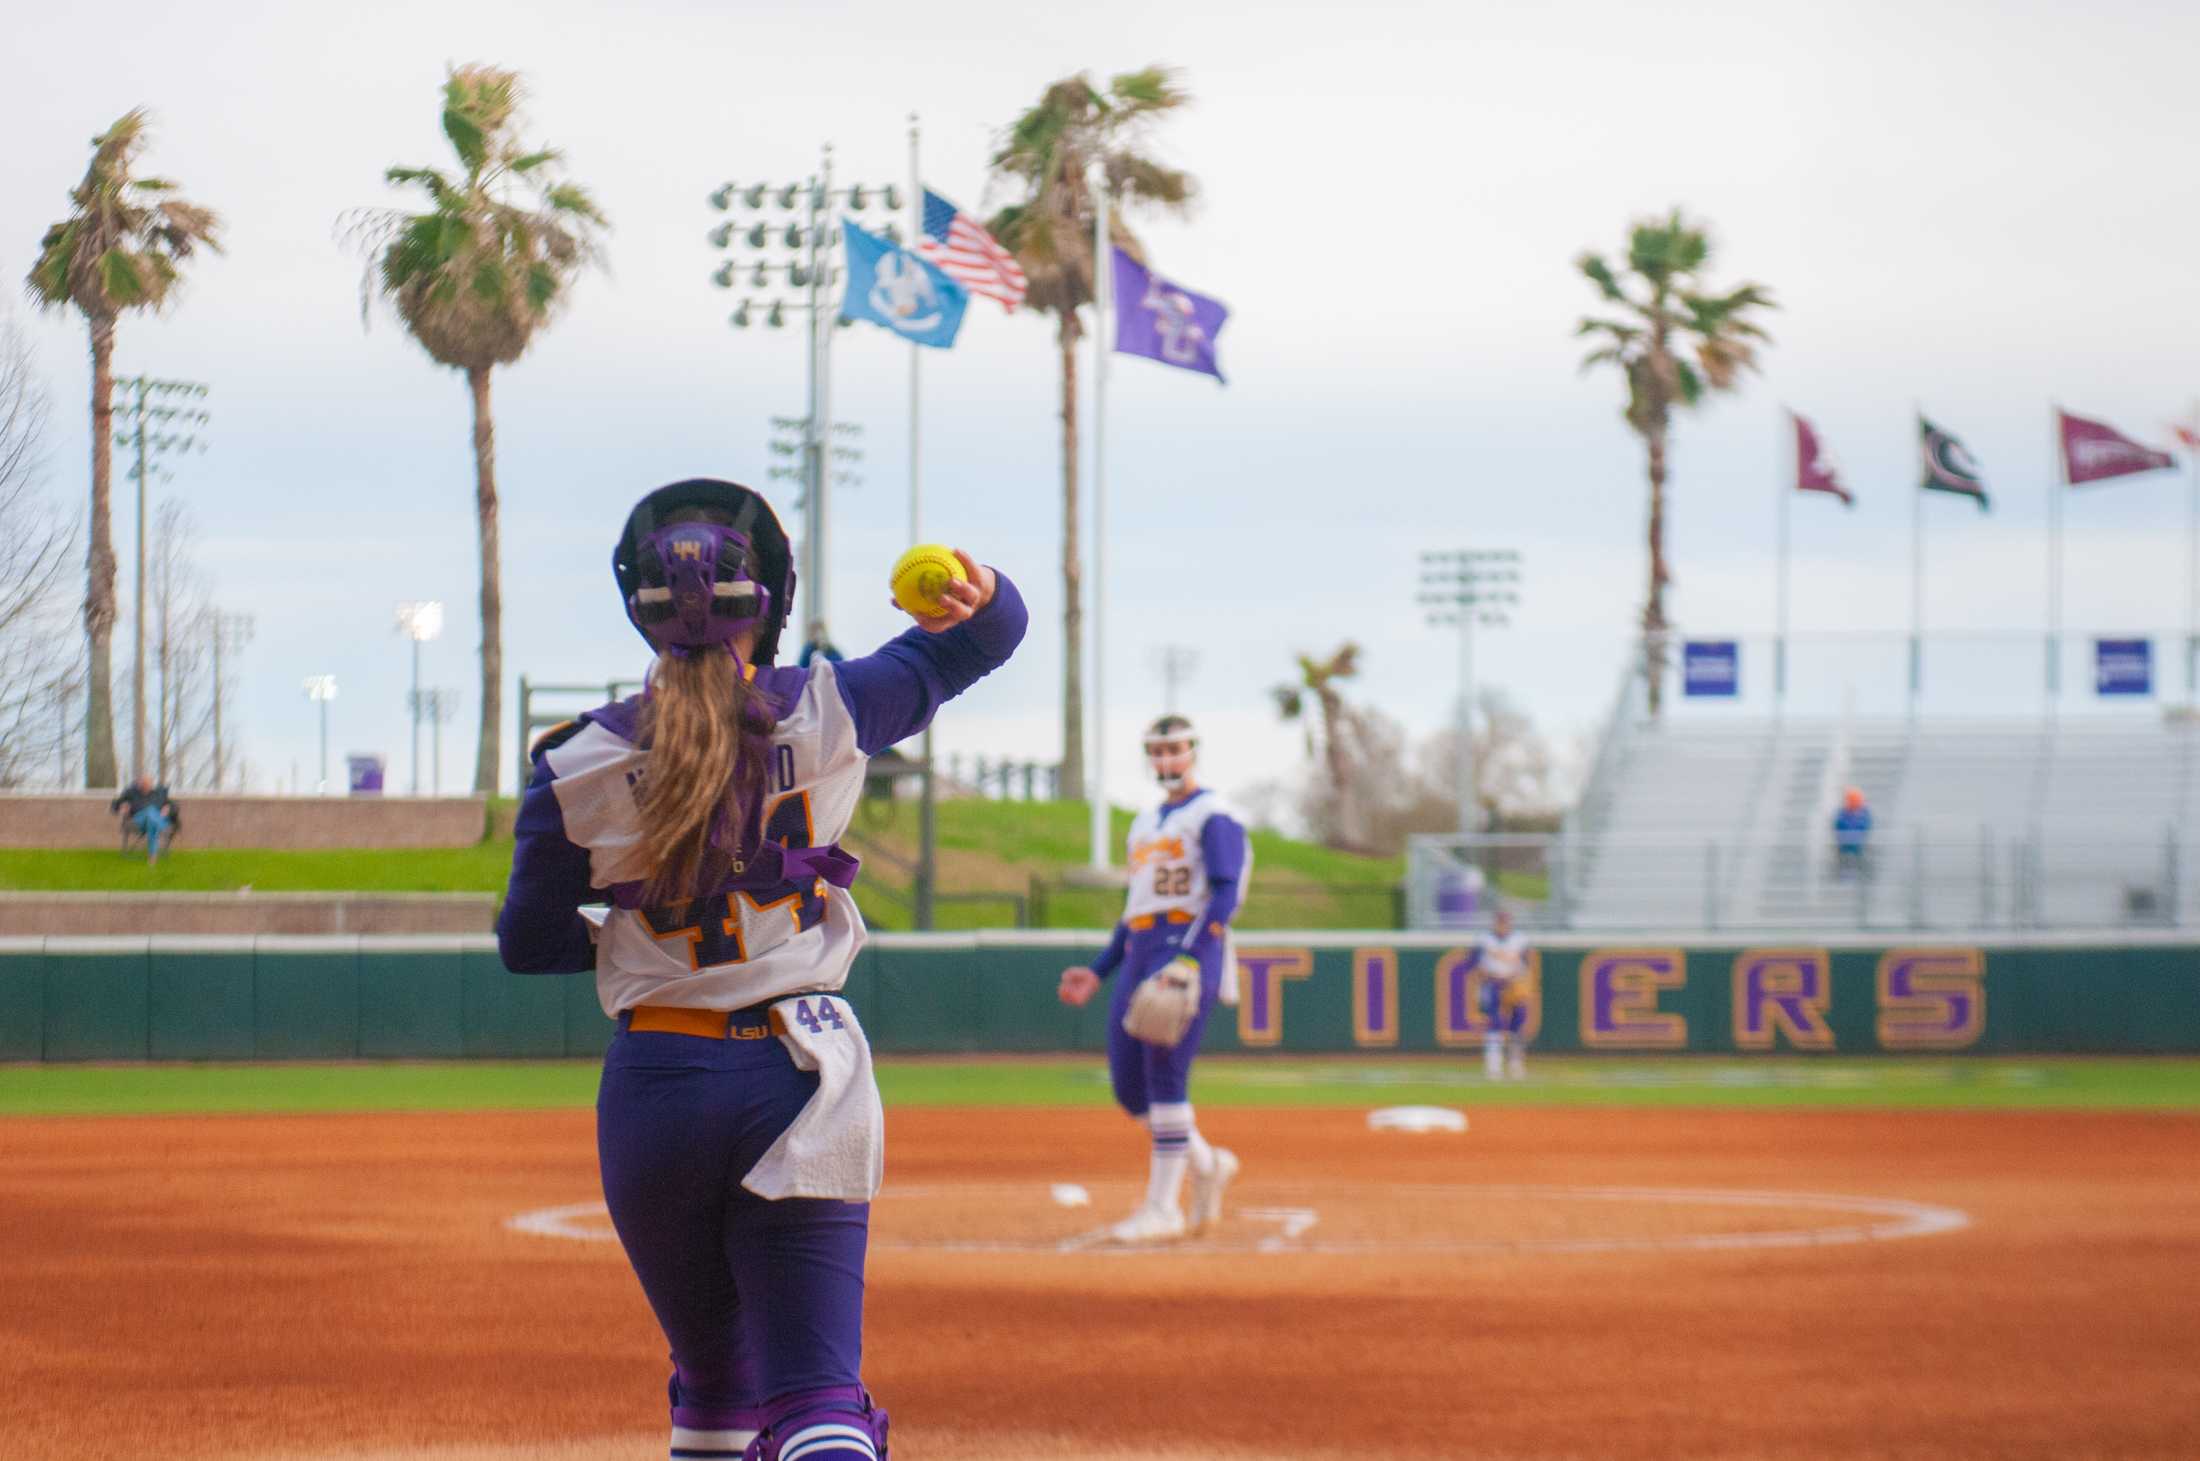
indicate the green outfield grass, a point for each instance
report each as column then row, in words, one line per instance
column 481, row 868
column 993, row 848
column 1918, row 1082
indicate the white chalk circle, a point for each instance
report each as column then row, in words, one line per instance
column 1352, row 1219
column 1416, row 1118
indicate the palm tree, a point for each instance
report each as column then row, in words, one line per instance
column 474, row 279
column 1048, row 153
column 119, row 249
column 1668, row 314
column 1318, row 684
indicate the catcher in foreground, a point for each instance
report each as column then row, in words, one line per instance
column 1189, row 860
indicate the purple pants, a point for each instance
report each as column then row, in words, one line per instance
column 1144, row 1075
column 758, row 1299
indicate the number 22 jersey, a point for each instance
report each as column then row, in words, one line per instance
column 1168, row 857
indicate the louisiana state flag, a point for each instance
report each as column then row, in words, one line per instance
column 897, row 291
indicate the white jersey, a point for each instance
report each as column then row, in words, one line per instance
column 733, row 949
column 1502, row 958
column 1167, row 862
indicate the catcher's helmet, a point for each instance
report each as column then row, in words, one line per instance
column 703, row 580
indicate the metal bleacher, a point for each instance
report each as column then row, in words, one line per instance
column 2037, row 823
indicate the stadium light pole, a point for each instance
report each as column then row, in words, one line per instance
column 790, row 229
column 439, row 706
column 419, row 620
column 174, row 427
column 1461, row 588
column 321, row 689
column 1176, row 663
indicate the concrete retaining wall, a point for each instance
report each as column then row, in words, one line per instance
column 57, row 914
column 212, row 820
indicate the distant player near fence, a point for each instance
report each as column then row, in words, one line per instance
column 1189, row 859
column 1502, row 957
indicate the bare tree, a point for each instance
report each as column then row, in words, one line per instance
column 41, row 669
column 1399, row 788
column 1517, row 773
column 181, row 630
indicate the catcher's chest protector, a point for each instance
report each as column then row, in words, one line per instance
column 740, row 948
column 1167, row 866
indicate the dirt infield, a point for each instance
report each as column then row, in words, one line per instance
column 1553, row 1283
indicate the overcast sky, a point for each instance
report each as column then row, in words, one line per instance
column 1980, row 208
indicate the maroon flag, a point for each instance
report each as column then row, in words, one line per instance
column 2093, row 452
column 1814, row 470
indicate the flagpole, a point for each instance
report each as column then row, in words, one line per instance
column 1780, row 640
column 1096, row 760
column 2192, row 583
column 1917, row 583
column 916, row 354
column 2056, row 486
column 927, row 805
column 823, row 321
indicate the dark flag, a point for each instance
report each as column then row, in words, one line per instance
column 1814, row 469
column 1948, row 467
column 2094, row 451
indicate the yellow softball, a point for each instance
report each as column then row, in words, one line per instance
column 919, row 576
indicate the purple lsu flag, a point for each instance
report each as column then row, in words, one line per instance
column 1164, row 321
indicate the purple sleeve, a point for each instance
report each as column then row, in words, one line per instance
column 1222, row 844
column 1112, row 956
column 540, row 929
column 893, row 693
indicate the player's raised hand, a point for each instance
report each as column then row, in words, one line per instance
column 959, row 598
column 1077, row 986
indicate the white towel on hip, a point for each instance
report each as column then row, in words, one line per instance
column 1227, row 993
column 836, row 1146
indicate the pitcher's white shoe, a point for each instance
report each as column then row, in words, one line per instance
column 1149, row 1224
column 1207, row 1190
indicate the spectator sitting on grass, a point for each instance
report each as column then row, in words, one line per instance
column 149, row 810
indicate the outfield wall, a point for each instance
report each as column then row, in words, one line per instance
column 336, row 998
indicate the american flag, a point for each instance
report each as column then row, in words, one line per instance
column 967, row 254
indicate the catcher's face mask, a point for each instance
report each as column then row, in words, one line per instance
column 696, row 587
column 1171, row 747
column 701, row 561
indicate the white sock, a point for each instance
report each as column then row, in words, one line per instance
column 728, row 1443
column 1172, row 1140
column 1196, row 1146
column 1493, row 1053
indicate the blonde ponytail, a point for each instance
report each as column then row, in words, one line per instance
column 708, row 737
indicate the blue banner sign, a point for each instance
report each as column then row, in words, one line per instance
column 1711, row 667
column 2123, row 667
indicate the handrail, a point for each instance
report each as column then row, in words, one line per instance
column 1618, row 729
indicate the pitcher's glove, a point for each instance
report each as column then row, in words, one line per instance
column 1162, row 1007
